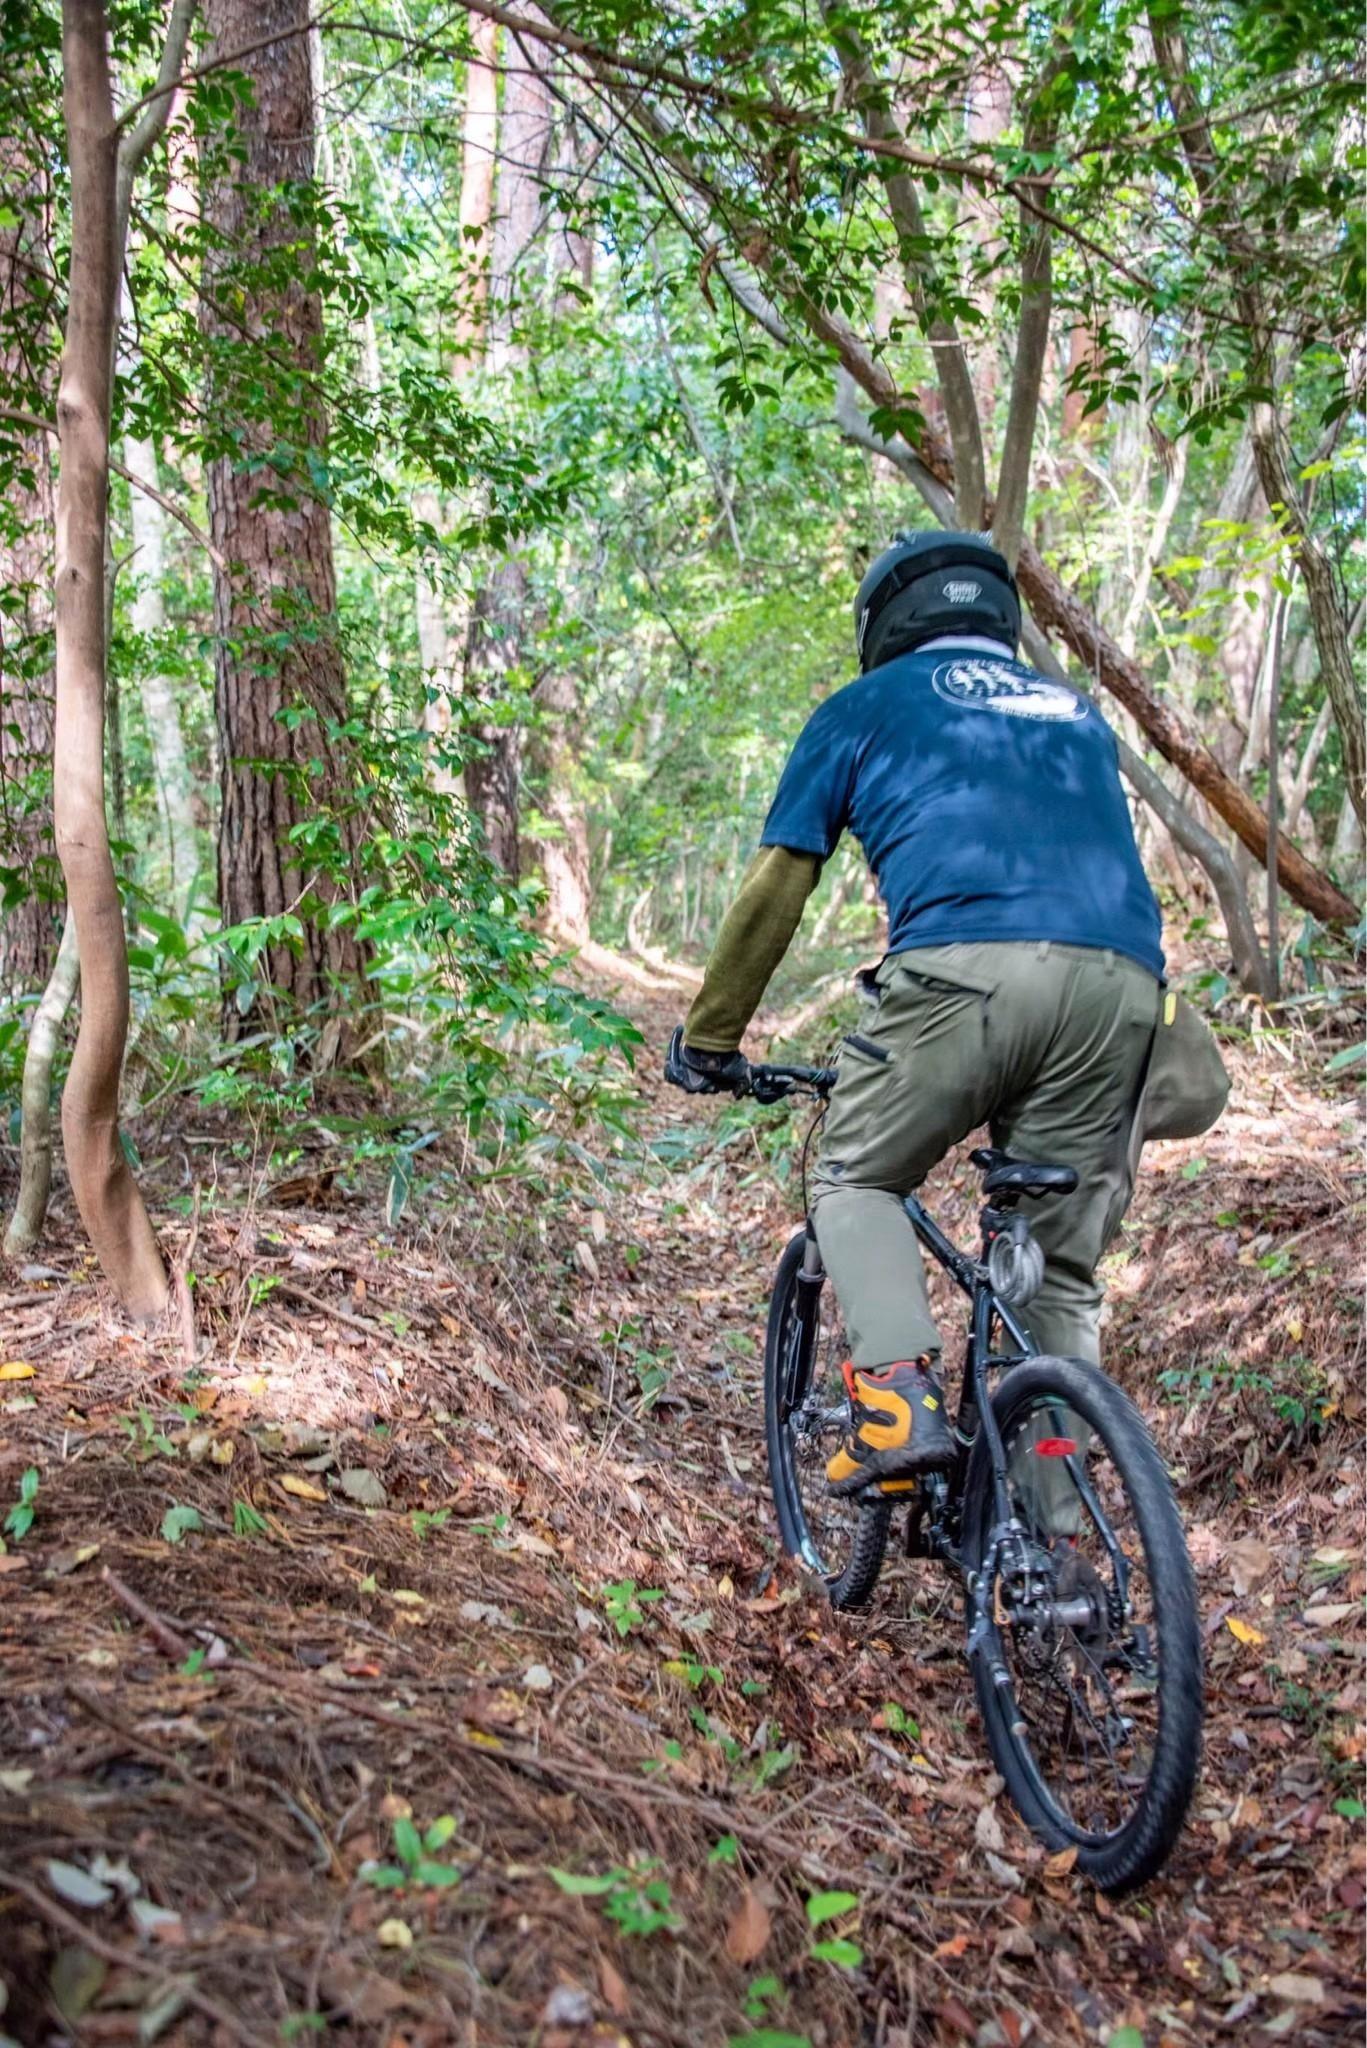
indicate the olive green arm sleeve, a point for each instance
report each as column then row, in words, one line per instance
column 754, row 938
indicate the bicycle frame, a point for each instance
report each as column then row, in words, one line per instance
column 971, row 1276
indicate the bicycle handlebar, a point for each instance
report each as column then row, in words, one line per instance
column 771, row 1083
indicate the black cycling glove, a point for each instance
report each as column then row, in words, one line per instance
column 705, row 1073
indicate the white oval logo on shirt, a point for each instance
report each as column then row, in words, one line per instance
column 963, row 593
column 981, row 684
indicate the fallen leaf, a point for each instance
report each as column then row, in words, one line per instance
column 363, row 1486
column 394, row 1934
column 11, row 1563
column 76, row 1982
column 366, row 1996
column 536, row 1678
column 951, row 1950
column 1005, row 1873
column 585, row 1260
column 987, row 1830
column 407, row 1598
column 77, row 1886
column 1062, row 1862
column 748, row 1934
column 63, row 1562
column 1243, row 1631
column 615, row 1994
column 1329, row 1617
column 17, row 1370
column 15, row 1782
column 158, row 1922
column 1300, row 1990
column 302, row 1489
column 1249, row 1560
column 223, row 1451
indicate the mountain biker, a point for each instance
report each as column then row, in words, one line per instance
column 1022, row 986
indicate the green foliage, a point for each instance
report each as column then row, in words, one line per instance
column 19, row 1520
column 419, row 1858
column 179, row 1522
column 632, row 1896
column 626, row 1603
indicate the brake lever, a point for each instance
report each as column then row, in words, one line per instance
column 771, row 1088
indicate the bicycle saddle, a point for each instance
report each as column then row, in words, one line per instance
column 1016, row 1177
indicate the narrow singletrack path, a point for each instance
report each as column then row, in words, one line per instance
column 469, row 1519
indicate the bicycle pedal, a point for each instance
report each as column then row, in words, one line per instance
column 899, row 1485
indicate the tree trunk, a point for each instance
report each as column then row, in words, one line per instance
column 105, row 1191
column 442, row 617
column 35, row 1100
column 276, row 646
column 161, row 713
column 27, row 931
column 494, row 650
column 1271, row 446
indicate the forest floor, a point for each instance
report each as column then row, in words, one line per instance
column 398, row 1541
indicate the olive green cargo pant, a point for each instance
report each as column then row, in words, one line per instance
column 1045, row 1043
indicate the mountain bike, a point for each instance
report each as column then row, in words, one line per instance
column 1058, row 1518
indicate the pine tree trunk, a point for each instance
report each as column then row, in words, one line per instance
column 276, row 645
column 28, row 932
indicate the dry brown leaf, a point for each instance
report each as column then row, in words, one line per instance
column 302, row 1489
column 584, row 1259
column 748, row 1934
column 956, row 1946
column 1249, row 1560
column 1060, row 1864
column 611, row 1983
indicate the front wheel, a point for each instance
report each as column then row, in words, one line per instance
column 806, row 1412
column 1087, row 1645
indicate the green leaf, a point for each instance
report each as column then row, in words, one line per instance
column 847, row 1954
column 1351, row 1056
column 439, row 1875
column 1125, row 2037
column 824, row 1906
column 584, row 1887
column 440, row 1833
column 724, row 1851
column 407, row 1841
column 1350, row 1809
column 179, row 1522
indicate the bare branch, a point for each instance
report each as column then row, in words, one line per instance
column 168, row 505
column 155, row 107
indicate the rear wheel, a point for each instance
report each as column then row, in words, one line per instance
column 806, row 1412
column 1088, row 1670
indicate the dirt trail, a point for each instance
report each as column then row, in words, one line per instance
column 479, row 1530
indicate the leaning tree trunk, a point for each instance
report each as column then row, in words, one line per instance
column 27, row 931
column 101, row 1181
column 276, row 645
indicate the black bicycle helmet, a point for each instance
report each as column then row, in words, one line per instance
column 927, row 584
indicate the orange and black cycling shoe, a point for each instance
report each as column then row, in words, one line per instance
column 900, row 1429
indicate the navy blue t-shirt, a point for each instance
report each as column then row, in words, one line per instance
column 987, row 800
